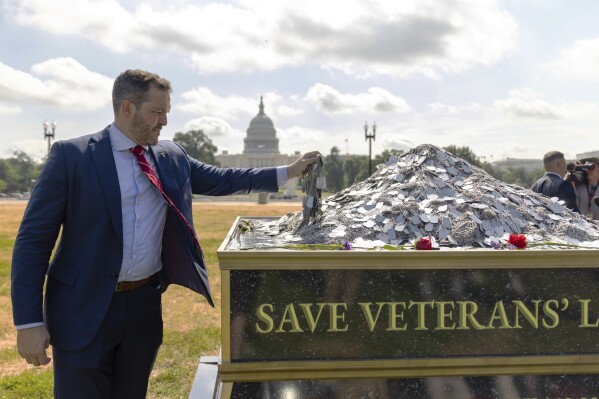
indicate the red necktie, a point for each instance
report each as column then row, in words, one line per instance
column 138, row 151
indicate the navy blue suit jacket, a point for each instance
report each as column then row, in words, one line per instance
column 78, row 191
column 552, row 185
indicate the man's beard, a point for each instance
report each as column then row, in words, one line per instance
column 142, row 131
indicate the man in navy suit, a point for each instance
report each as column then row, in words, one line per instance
column 552, row 184
column 122, row 243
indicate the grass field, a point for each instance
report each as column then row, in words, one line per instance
column 191, row 326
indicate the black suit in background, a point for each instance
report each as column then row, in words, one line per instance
column 552, row 185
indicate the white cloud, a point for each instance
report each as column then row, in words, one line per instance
column 377, row 100
column 6, row 109
column 284, row 110
column 202, row 101
column 103, row 21
column 300, row 133
column 525, row 124
column 579, row 62
column 527, row 103
column 212, row 127
column 402, row 38
column 389, row 37
column 393, row 143
column 60, row 81
column 220, row 132
column 303, row 139
column 36, row 149
column 446, row 109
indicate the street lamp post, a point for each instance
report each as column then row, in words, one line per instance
column 49, row 131
column 369, row 136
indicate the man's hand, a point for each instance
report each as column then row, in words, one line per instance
column 32, row 344
column 297, row 168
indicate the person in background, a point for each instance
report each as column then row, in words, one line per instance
column 586, row 192
column 552, row 184
column 122, row 203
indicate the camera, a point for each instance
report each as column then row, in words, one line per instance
column 577, row 172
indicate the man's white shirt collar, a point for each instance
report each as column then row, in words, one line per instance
column 119, row 141
column 553, row 173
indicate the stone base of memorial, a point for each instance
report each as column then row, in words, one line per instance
column 448, row 323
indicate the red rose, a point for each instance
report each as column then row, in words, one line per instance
column 517, row 240
column 424, row 243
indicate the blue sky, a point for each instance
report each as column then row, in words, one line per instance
column 514, row 78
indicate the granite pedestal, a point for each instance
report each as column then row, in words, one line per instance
column 450, row 324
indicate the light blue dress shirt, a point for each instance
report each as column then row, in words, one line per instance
column 143, row 209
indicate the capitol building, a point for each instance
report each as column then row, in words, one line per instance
column 260, row 148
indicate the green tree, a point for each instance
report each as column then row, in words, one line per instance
column 333, row 171
column 198, row 145
column 384, row 156
column 521, row 176
column 5, row 172
column 465, row 153
column 354, row 168
column 491, row 170
column 18, row 173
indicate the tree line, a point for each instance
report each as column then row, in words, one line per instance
column 19, row 173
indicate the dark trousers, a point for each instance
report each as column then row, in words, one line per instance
column 118, row 361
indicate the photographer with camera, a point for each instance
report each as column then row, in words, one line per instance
column 585, row 176
column 552, row 184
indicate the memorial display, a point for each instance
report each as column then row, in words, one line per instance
column 428, row 192
column 430, row 279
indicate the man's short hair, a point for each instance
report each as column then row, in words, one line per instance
column 133, row 85
column 553, row 156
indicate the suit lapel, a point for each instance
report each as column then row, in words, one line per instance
column 101, row 153
column 166, row 173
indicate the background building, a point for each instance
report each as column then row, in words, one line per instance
column 534, row 164
column 588, row 154
column 260, row 149
column 528, row 164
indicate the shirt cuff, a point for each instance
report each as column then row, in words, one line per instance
column 30, row 325
column 282, row 176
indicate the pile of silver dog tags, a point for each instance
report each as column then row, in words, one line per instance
column 428, row 192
